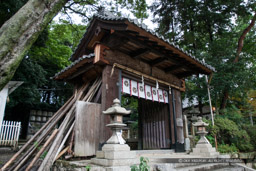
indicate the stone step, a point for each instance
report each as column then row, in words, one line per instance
column 154, row 153
column 206, row 167
column 195, row 167
column 202, row 150
column 109, row 162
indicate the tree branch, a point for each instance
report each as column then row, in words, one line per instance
column 242, row 37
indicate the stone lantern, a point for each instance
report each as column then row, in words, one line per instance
column 203, row 147
column 201, row 130
column 116, row 124
column 115, row 154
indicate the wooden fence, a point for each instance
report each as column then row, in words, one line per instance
column 9, row 133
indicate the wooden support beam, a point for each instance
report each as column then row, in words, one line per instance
column 172, row 68
column 114, row 41
column 174, row 58
column 110, row 91
column 157, row 61
column 184, row 74
column 99, row 52
column 141, row 66
column 145, row 75
column 139, row 53
column 142, row 37
column 80, row 70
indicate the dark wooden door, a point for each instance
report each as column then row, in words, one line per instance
column 154, row 125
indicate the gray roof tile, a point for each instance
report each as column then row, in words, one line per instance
column 143, row 26
column 74, row 63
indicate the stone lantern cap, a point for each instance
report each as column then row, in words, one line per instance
column 116, row 109
column 200, row 123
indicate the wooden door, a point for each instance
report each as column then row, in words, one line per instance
column 154, row 125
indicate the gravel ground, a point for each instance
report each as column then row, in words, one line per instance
column 5, row 154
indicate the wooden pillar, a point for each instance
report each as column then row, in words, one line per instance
column 179, row 121
column 110, row 91
column 172, row 124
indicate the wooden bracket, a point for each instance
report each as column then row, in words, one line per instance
column 99, row 51
column 183, row 86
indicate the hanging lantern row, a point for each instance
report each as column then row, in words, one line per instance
column 140, row 90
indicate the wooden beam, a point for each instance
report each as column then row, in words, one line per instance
column 142, row 32
column 185, row 74
column 139, row 53
column 143, row 45
column 114, row 41
column 144, row 75
column 110, row 91
column 157, row 61
column 99, row 51
column 142, row 37
column 172, row 68
column 141, row 66
column 80, row 70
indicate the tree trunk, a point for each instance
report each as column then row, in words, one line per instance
column 19, row 33
column 239, row 50
column 242, row 37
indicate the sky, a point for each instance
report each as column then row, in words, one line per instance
column 77, row 19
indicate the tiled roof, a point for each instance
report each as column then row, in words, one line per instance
column 143, row 26
column 74, row 63
column 110, row 17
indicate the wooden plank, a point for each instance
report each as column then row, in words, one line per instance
column 86, row 128
column 42, row 149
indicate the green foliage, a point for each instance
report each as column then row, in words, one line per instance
column 43, row 155
column 131, row 103
column 49, row 54
column 225, row 148
column 88, row 168
column 137, row 7
column 209, row 30
column 230, row 133
column 9, row 8
column 251, row 130
column 36, row 144
column 143, row 166
column 211, row 139
column 233, row 113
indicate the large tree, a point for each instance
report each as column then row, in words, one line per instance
column 211, row 30
column 19, row 33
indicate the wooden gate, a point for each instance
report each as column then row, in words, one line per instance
column 154, row 125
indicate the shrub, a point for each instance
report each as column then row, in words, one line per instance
column 251, row 130
column 225, row 148
column 143, row 165
column 228, row 132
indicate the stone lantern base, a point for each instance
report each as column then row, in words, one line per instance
column 204, row 150
column 115, row 157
